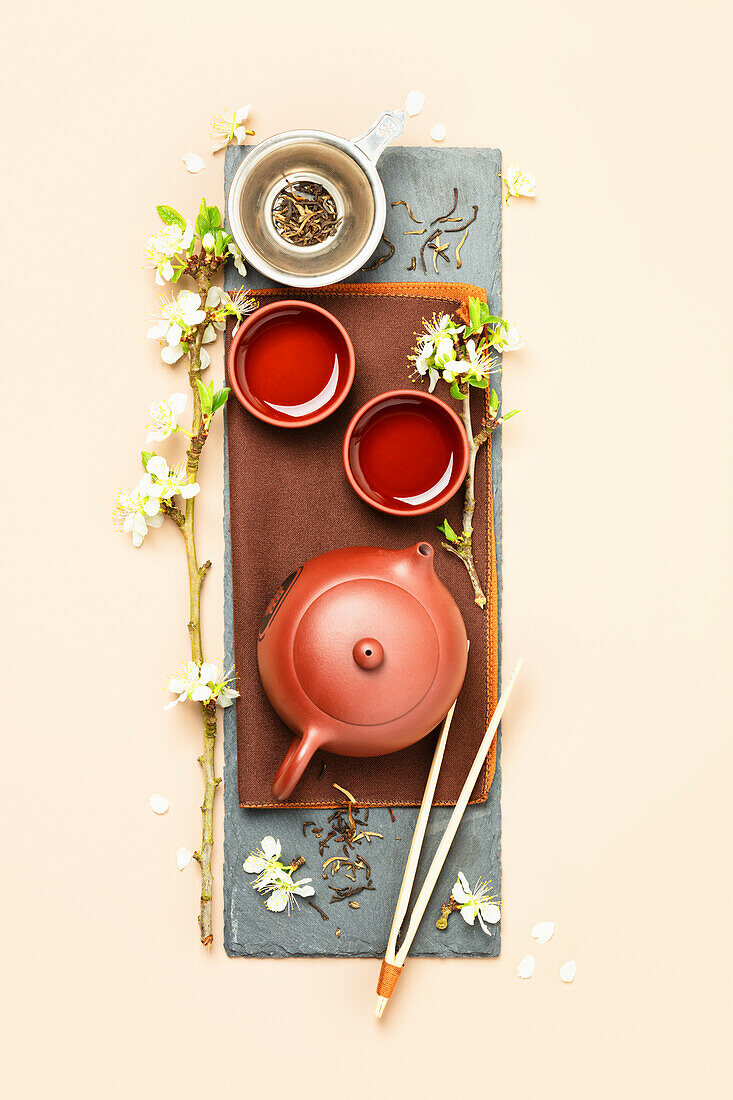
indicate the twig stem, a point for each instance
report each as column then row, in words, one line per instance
column 196, row 574
column 463, row 548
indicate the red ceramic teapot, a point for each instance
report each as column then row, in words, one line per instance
column 361, row 652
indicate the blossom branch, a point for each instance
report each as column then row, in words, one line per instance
column 184, row 325
column 458, row 351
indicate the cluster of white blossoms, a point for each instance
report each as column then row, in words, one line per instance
column 177, row 319
column 476, row 903
column 439, row 354
column 519, row 182
column 138, row 508
column 202, row 684
column 163, row 246
column 275, row 878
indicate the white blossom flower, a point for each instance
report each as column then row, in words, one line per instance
column 265, row 863
column 230, row 126
column 526, row 967
column 506, row 339
column 236, row 254
column 183, row 858
column 201, row 683
column 476, row 903
column 177, row 318
column 519, row 182
column 568, row 971
column 164, row 417
column 438, row 132
column 208, row 241
column 414, row 103
column 282, row 893
column 160, row 248
column 165, row 483
column 158, row 804
column 214, row 679
column 435, row 347
column 477, row 364
column 224, row 305
column 182, row 683
column 136, row 510
column 423, row 363
column 193, row 162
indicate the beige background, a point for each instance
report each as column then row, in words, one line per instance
column 617, row 750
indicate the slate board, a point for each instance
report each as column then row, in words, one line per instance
column 425, row 178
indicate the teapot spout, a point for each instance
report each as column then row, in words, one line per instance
column 414, row 563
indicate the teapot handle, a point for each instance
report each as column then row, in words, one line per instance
column 295, row 762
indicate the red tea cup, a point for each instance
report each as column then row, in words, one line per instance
column 291, row 364
column 405, row 452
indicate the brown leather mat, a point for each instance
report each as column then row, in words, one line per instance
column 290, row 500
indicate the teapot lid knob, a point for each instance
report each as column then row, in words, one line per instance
column 368, row 653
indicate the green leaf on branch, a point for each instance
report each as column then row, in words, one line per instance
column 494, row 403
column 146, row 456
column 455, row 392
column 171, row 216
column 446, row 529
column 479, row 383
column 214, row 215
column 219, row 243
column 480, row 316
column 509, row 415
column 203, row 222
column 220, row 399
column 206, row 396
column 177, row 274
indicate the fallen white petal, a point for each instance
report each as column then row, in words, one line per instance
column 526, row 967
column 567, row 971
column 183, row 858
column 438, row 132
column 543, row 931
column 414, row 103
column 193, row 162
column 158, row 804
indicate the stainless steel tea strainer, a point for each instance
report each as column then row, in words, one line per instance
column 347, row 169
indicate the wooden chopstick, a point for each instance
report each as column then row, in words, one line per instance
column 394, row 961
column 413, row 856
column 418, row 835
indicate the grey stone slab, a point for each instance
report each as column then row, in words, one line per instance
column 425, row 178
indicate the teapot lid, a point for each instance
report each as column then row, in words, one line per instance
column 366, row 652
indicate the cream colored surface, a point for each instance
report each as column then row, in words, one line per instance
column 617, row 749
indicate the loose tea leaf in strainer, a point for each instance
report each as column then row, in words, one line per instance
column 304, row 213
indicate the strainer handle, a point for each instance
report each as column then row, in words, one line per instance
column 389, row 125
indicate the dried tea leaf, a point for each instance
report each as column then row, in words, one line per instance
column 543, row 931
column 193, row 162
column 526, row 967
column 183, row 858
column 567, row 971
column 158, row 804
